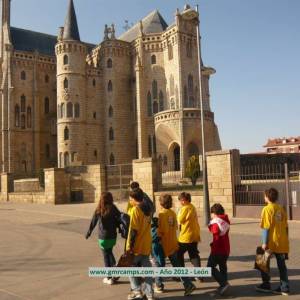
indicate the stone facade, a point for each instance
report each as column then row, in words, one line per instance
column 69, row 103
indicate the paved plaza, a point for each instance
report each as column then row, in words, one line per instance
column 44, row 255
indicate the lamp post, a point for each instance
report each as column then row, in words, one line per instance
column 190, row 14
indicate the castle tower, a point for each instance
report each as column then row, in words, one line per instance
column 71, row 93
column 5, row 23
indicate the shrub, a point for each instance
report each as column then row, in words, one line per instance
column 193, row 169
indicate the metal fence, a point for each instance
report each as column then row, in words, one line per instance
column 118, row 178
column 253, row 180
column 173, row 178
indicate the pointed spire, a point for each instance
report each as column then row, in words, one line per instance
column 71, row 31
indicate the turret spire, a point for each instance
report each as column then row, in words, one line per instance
column 71, row 31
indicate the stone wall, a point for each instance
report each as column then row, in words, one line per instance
column 221, row 167
column 27, row 185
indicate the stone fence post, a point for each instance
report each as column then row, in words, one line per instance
column 6, row 183
column 222, row 168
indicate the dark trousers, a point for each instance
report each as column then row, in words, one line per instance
column 284, row 281
column 221, row 261
column 192, row 249
column 109, row 259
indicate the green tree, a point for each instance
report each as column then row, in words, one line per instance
column 193, row 169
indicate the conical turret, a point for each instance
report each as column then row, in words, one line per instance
column 71, row 31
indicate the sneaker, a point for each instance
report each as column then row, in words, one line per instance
column 135, row 295
column 109, row 281
column 278, row 291
column 151, row 297
column 159, row 289
column 222, row 289
column 189, row 289
column 263, row 288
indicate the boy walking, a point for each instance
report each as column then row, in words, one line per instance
column 167, row 228
column 139, row 243
column 220, row 246
column 189, row 231
column 275, row 237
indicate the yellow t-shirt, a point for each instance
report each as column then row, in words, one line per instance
column 167, row 228
column 273, row 218
column 188, row 223
column 142, row 224
column 129, row 208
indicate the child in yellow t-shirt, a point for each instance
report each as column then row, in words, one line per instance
column 167, row 231
column 189, row 231
column 139, row 242
column 275, row 237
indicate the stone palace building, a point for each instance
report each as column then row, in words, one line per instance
column 65, row 102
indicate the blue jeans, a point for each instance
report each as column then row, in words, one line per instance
column 109, row 259
column 142, row 261
column 221, row 274
column 284, row 281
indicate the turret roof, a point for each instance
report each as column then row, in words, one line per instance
column 71, row 31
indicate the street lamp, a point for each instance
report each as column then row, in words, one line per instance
column 190, row 14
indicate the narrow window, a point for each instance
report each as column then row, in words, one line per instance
column 17, row 116
column 94, row 82
column 69, row 110
column 153, row 59
column 23, row 75
column 23, row 103
column 154, row 144
column 111, row 134
column 112, row 159
column 170, row 51
column 66, row 59
column 66, row 133
column 95, row 153
column 189, row 49
column 149, row 104
column 190, row 85
column 66, row 159
column 109, row 63
column 95, row 115
column 150, row 145
column 110, row 86
column 29, row 117
column 161, row 101
column 23, row 121
column 77, row 110
column 155, row 107
column 110, row 112
column 66, row 83
column 47, row 105
column 154, row 89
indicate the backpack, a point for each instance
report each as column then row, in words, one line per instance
column 124, row 222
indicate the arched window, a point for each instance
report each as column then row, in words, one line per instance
column 109, row 63
column 47, row 105
column 23, row 103
column 153, row 59
column 66, row 83
column 66, row 59
column 111, row 159
column 46, row 78
column 95, row 153
column 154, row 89
column 66, row 159
column 22, row 121
column 161, row 101
column 189, row 48
column 170, row 51
column 111, row 134
column 95, row 115
column 150, row 145
column 66, row 133
column 62, row 109
column 155, row 107
column 110, row 86
column 74, row 156
column 60, row 160
column 110, row 112
column 77, row 110
column 94, row 82
column 69, row 110
column 28, row 117
column 149, row 104
column 185, row 96
column 17, row 116
column 190, row 85
column 47, row 151
column 23, row 75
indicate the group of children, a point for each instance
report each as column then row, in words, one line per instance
column 153, row 239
